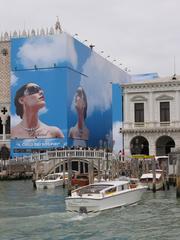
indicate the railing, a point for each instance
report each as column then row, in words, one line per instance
column 63, row 154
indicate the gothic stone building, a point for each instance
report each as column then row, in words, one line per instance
column 151, row 116
column 4, row 92
column 5, row 72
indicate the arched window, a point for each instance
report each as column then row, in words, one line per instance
column 1, row 126
column 8, row 125
column 164, row 145
column 139, row 145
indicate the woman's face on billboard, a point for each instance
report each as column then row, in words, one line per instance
column 33, row 97
column 79, row 102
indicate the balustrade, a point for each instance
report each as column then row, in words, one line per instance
column 63, row 154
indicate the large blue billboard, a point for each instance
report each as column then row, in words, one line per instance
column 89, row 111
column 74, row 87
column 117, row 114
column 38, row 109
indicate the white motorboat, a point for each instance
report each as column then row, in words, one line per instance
column 103, row 195
column 51, row 181
column 147, row 180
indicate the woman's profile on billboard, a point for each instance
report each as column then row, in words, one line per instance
column 29, row 99
column 80, row 133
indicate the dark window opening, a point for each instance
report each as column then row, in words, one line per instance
column 164, row 112
column 1, row 127
column 8, row 125
column 139, row 112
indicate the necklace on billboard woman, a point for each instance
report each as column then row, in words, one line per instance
column 31, row 131
column 80, row 132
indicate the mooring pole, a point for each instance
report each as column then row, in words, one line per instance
column 69, row 162
column 35, row 174
column 64, row 169
column 163, row 174
column 99, row 176
column 154, row 174
column 178, row 175
column 174, row 172
column 167, row 173
column 34, row 179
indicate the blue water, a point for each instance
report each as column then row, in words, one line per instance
column 27, row 214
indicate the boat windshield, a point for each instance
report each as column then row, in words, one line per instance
column 52, row 177
column 93, row 189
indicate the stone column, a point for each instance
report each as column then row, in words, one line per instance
column 177, row 106
column 4, row 128
column 152, row 144
column 84, row 169
column 127, row 139
column 126, row 107
column 79, row 166
column 151, row 110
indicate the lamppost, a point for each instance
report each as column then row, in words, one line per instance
column 122, row 151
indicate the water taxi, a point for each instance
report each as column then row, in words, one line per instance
column 52, row 181
column 103, row 195
column 147, row 180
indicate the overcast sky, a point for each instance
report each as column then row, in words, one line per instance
column 143, row 35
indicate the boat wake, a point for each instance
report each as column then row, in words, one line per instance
column 82, row 216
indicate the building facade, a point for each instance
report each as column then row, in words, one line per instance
column 151, row 116
column 5, row 92
column 151, row 108
column 79, row 68
column 5, row 77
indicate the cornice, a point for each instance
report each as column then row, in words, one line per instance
column 149, row 85
column 150, row 130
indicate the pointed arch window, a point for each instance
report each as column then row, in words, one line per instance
column 8, row 125
column 1, row 126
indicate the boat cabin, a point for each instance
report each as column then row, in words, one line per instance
column 101, row 189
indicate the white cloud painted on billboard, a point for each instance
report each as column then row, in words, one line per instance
column 117, row 137
column 16, row 119
column 14, row 79
column 98, row 84
column 43, row 111
column 45, row 51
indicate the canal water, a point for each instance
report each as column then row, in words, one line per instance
column 28, row 214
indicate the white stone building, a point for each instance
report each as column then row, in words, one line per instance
column 151, row 116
